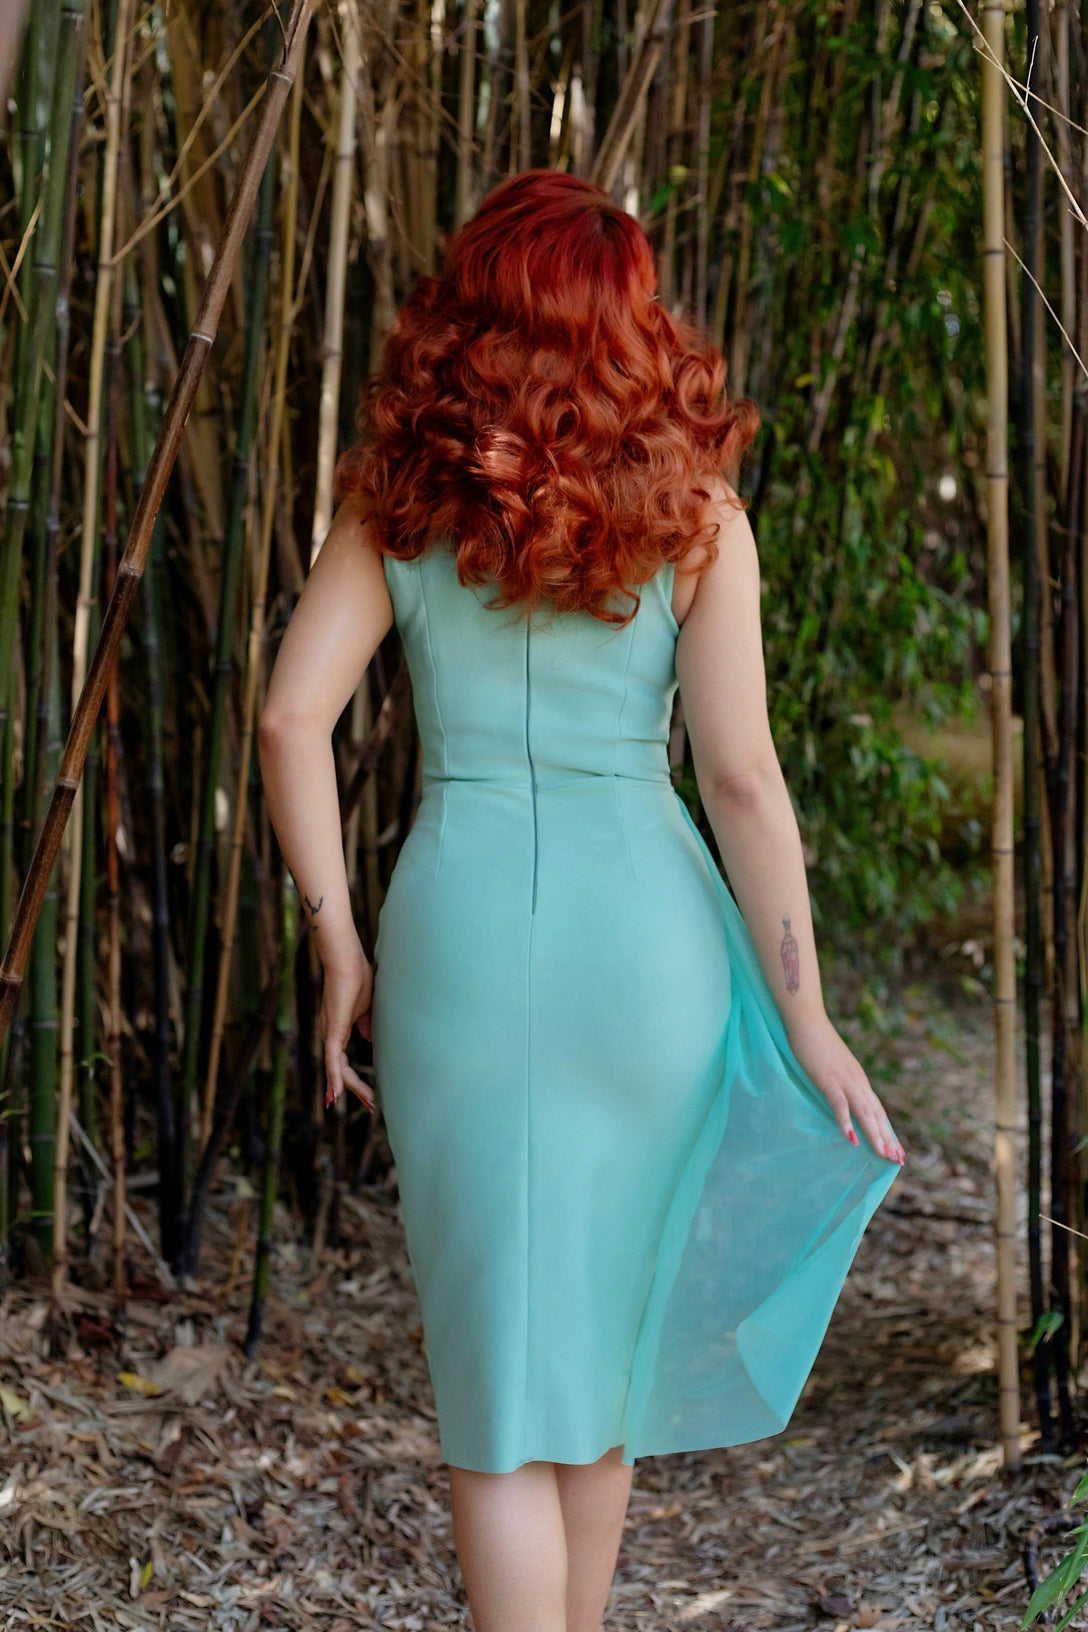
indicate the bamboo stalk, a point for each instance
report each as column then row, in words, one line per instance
column 113, row 860
column 376, row 199
column 132, row 562
column 237, row 533
column 466, row 113
column 88, row 541
column 674, row 147
column 1033, row 437
column 276, row 1101
column 260, row 593
column 632, row 97
column 39, row 277
column 144, row 403
column 328, row 424
column 993, row 163
column 229, row 586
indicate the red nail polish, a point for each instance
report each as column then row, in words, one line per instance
column 852, row 1136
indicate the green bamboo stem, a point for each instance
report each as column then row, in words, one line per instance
column 276, row 1101
column 77, row 869
column 43, row 1025
column 132, row 563
column 234, row 551
column 229, row 585
column 264, row 552
column 113, row 858
column 1033, row 405
column 38, row 280
column 145, row 408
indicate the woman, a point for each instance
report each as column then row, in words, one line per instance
column 622, row 1121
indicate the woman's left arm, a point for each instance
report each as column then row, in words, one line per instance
column 341, row 618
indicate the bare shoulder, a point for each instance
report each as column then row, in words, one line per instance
column 349, row 570
column 352, row 525
column 736, row 550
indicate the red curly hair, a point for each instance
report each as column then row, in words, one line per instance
column 537, row 404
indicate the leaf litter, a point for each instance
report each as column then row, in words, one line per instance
column 153, row 1478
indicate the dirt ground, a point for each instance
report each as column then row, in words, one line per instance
column 305, row 1490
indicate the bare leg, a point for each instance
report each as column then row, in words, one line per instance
column 594, row 1500
column 508, row 1531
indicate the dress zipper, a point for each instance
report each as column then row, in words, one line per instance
column 532, row 769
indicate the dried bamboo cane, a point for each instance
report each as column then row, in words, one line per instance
column 257, row 613
column 339, row 235
column 993, row 165
column 132, row 562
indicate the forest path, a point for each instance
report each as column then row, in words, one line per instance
column 306, row 1491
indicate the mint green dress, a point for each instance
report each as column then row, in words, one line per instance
column 629, row 1212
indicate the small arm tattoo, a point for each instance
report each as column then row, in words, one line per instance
column 790, row 954
column 314, row 908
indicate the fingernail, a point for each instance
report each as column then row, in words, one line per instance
column 852, row 1136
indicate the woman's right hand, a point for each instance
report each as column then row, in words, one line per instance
column 349, row 990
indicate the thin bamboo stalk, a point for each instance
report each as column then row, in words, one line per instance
column 237, row 533
column 88, row 543
column 1061, row 1132
column 1033, row 439
column 39, row 276
column 632, row 97
column 520, row 134
column 1060, row 23
column 290, row 179
column 376, row 197
column 43, row 988
column 215, row 731
column 132, row 562
column 705, row 39
column 144, row 404
column 674, row 146
column 328, row 425
column 993, row 164
column 738, row 360
column 466, row 113
column 113, row 858
column 276, row 1102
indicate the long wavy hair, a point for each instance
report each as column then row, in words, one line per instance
column 537, row 407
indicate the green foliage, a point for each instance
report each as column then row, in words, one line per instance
column 1064, row 1577
column 866, row 364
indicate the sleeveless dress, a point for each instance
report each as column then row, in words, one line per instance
column 628, row 1211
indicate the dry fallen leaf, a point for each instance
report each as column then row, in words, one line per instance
column 192, row 1372
column 12, row 1404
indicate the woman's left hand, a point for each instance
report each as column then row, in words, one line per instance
column 841, row 1078
column 349, row 989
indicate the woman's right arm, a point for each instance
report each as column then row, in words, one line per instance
column 720, row 667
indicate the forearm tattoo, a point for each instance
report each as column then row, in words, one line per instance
column 790, row 954
column 314, row 909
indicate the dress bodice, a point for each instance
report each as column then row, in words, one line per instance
column 502, row 696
